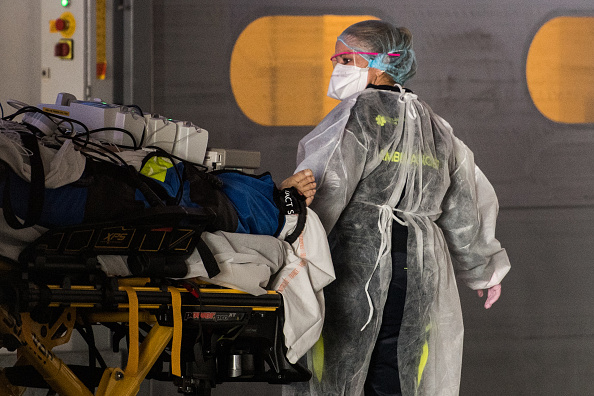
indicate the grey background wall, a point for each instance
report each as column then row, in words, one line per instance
column 20, row 46
column 539, row 338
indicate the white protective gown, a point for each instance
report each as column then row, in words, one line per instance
column 376, row 151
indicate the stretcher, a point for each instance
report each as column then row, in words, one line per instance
column 193, row 334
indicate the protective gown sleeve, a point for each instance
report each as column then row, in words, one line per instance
column 336, row 155
column 468, row 221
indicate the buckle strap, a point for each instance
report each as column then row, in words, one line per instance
column 133, row 350
column 208, row 259
column 36, row 188
column 176, row 342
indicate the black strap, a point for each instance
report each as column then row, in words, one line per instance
column 151, row 197
column 291, row 202
column 36, row 188
column 128, row 175
column 292, row 237
column 210, row 264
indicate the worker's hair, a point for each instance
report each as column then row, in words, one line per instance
column 383, row 38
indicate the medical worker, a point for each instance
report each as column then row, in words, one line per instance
column 407, row 212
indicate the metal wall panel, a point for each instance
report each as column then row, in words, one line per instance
column 538, row 339
column 20, row 46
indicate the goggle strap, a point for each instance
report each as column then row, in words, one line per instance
column 360, row 53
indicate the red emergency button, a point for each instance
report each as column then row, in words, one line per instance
column 63, row 49
column 61, row 24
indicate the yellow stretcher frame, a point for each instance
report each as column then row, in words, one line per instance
column 34, row 341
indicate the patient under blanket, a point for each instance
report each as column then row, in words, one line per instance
column 261, row 237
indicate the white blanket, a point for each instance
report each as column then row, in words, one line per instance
column 299, row 272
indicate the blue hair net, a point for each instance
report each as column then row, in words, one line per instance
column 383, row 38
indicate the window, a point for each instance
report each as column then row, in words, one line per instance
column 280, row 68
column 560, row 70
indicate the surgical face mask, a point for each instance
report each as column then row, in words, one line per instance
column 347, row 80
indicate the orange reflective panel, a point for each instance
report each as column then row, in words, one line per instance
column 280, row 69
column 560, row 69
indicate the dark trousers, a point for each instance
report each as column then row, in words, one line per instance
column 382, row 376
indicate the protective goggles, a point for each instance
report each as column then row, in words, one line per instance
column 333, row 57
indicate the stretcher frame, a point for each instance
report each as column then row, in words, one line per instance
column 154, row 303
column 34, row 341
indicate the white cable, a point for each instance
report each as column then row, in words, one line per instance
column 17, row 104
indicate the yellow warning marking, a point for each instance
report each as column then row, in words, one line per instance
column 100, row 36
column 69, row 18
column 55, row 111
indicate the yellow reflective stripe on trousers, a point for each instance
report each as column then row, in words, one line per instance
column 133, row 349
column 177, row 331
column 423, row 362
column 318, row 358
column 424, row 356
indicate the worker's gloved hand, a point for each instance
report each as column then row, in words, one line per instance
column 493, row 294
